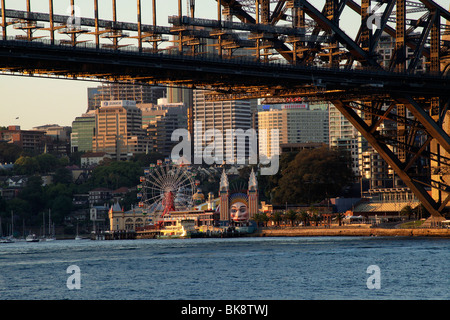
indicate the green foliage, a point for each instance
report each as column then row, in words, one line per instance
column 43, row 163
column 33, row 194
column 9, row 152
column 292, row 216
column 407, row 211
column 18, row 206
column 277, row 217
column 60, row 206
column 63, row 176
column 261, row 218
column 116, row 174
column 304, row 217
column 26, row 165
column 312, row 176
column 34, row 199
column 144, row 160
column 47, row 162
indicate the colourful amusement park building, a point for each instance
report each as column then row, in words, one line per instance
column 238, row 208
column 119, row 220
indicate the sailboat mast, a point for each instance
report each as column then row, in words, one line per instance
column 12, row 222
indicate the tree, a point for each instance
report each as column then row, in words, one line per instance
column 47, row 162
column 62, row 175
column 61, row 206
column 20, row 208
column 263, row 218
column 407, row 211
column 292, row 216
column 276, row 218
column 9, row 152
column 339, row 217
column 316, row 219
column 303, row 216
column 260, row 218
column 33, row 194
column 26, row 165
column 116, row 174
column 312, row 176
column 144, row 159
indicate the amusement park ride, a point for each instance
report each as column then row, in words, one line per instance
column 166, row 187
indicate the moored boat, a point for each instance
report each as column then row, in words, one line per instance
column 32, row 238
column 7, row 240
column 179, row 229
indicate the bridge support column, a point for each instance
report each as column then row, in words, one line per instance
column 417, row 187
column 4, row 25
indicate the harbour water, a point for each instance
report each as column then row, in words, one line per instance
column 297, row 268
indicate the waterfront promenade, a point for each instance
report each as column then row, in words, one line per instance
column 352, row 231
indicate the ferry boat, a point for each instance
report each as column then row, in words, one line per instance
column 179, row 229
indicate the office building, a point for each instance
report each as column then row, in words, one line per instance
column 296, row 123
column 118, row 130
column 83, row 129
column 386, row 48
column 221, row 116
column 160, row 121
column 344, row 136
column 122, row 91
column 29, row 140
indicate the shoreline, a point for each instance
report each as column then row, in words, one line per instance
column 349, row 231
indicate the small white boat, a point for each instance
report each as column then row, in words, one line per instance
column 7, row 240
column 32, row 238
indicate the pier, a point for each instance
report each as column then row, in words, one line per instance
column 352, row 232
column 120, row 235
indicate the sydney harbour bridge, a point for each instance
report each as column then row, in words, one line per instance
column 272, row 49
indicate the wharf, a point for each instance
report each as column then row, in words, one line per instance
column 351, row 231
column 120, row 235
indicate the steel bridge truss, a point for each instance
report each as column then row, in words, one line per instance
column 278, row 49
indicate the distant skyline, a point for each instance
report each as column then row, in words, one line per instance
column 38, row 101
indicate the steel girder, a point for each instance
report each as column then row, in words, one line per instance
column 387, row 147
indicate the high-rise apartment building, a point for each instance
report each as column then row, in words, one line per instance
column 344, row 136
column 386, row 49
column 121, row 91
column 160, row 121
column 29, row 140
column 118, row 129
column 83, row 129
column 221, row 116
column 57, row 138
column 296, row 123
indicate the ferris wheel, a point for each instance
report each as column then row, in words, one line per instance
column 166, row 187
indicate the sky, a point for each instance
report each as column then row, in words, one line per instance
column 35, row 101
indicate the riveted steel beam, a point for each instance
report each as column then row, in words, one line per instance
column 390, row 157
